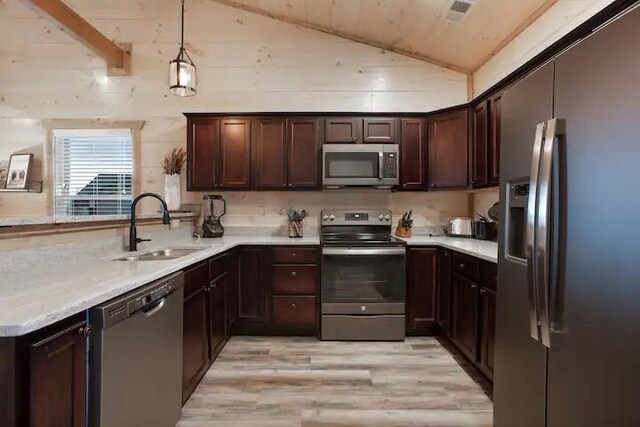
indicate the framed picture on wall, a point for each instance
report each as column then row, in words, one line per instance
column 18, row 172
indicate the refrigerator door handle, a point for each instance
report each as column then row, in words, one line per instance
column 547, row 230
column 532, row 224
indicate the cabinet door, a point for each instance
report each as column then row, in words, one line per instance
column 202, row 153
column 217, row 316
column 57, row 379
column 235, row 153
column 195, row 342
column 252, row 286
column 268, row 153
column 303, row 153
column 443, row 312
column 487, row 330
column 342, row 130
column 448, row 150
column 413, row 154
column 421, row 294
column 380, row 131
column 464, row 328
column 479, row 145
column 494, row 141
column 232, row 292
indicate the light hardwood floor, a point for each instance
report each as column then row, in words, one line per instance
column 303, row 382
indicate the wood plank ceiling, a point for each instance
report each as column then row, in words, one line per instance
column 414, row 28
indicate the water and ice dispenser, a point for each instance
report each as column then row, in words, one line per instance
column 516, row 219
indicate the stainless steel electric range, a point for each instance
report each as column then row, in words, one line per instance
column 363, row 288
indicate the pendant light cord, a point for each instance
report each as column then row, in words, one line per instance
column 182, row 28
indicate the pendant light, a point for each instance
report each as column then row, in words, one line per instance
column 182, row 70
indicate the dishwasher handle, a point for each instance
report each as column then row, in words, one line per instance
column 155, row 307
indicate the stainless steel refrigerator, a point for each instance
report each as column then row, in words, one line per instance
column 568, row 309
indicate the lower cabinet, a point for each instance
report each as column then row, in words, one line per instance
column 464, row 306
column 195, row 344
column 443, row 309
column 421, row 291
column 43, row 376
column 487, row 331
column 217, row 315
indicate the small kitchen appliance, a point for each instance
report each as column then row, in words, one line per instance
column 360, row 165
column 212, row 225
column 483, row 229
column 460, row 226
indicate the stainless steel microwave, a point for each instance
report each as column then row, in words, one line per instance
column 365, row 165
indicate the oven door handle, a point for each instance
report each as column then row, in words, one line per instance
column 363, row 251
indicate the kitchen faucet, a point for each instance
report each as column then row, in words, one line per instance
column 133, row 235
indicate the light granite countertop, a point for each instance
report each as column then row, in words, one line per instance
column 40, row 297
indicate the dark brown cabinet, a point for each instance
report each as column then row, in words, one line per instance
column 269, row 153
column 443, row 311
column 231, row 289
column 195, row 344
column 342, row 129
column 217, row 315
column 494, row 140
column 303, row 153
column 464, row 305
column 295, row 288
column 202, row 153
column 379, row 130
column 235, row 153
column 421, row 291
column 413, row 154
column 252, row 291
column 480, row 144
column 448, row 150
column 487, row 331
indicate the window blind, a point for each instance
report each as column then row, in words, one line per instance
column 93, row 172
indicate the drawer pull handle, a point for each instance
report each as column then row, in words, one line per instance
column 293, row 274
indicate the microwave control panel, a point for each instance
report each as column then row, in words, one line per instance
column 390, row 165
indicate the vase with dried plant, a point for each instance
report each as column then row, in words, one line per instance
column 172, row 166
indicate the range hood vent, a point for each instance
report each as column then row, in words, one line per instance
column 458, row 10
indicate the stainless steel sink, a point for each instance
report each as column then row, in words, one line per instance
column 160, row 254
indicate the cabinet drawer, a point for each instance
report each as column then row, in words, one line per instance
column 295, row 279
column 490, row 275
column 300, row 312
column 218, row 266
column 466, row 266
column 295, row 255
column 195, row 278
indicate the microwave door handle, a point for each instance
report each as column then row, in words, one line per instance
column 532, row 223
column 380, row 163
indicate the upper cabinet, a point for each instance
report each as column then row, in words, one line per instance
column 202, row 153
column 479, row 144
column 269, row 153
column 448, row 150
column 342, row 130
column 303, row 153
column 235, row 153
column 413, row 154
column 494, row 140
column 379, row 130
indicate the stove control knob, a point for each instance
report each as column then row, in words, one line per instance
column 387, row 217
column 332, row 217
column 325, row 217
column 380, row 217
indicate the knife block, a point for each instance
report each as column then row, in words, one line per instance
column 401, row 231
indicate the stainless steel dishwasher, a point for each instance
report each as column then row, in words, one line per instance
column 136, row 357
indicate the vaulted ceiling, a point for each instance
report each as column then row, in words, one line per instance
column 416, row 28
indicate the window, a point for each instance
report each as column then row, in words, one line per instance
column 92, row 171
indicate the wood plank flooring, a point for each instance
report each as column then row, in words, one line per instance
column 303, row 382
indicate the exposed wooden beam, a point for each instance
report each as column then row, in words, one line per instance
column 517, row 31
column 343, row 34
column 118, row 57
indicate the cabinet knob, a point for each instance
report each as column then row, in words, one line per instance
column 462, row 266
column 473, row 286
column 293, row 254
column 433, row 185
column 293, row 274
column 482, row 291
column 85, row 331
column 293, row 305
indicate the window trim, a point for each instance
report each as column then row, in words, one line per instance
column 135, row 126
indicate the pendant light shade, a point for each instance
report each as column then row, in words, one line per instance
column 182, row 70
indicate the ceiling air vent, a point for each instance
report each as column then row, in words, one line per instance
column 458, row 10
